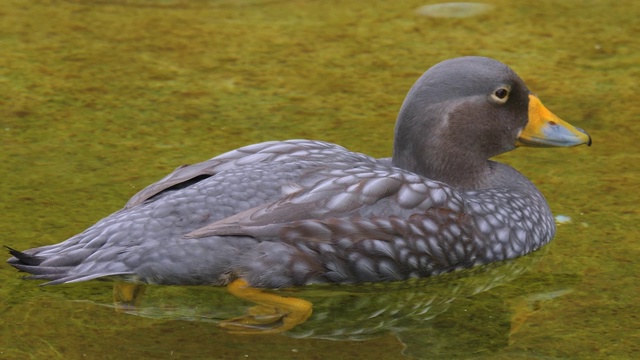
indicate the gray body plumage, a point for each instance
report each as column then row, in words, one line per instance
column 289, row 213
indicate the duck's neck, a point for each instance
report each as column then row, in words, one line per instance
column 442, row 162
column 427, row 143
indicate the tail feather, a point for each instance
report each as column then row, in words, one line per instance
column 20, row 257
column 53, row 270
column 43, row 270
column 83, row 277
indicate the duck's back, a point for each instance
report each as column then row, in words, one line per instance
column 193, row 196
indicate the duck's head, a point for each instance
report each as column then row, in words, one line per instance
column 462, row 112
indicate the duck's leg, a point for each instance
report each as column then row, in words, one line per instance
column 126, row 296
column 273, row 314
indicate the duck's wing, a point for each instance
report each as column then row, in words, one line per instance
column 356, row 206
column 246, row 156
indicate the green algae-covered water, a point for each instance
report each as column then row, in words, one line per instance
column 101, row 98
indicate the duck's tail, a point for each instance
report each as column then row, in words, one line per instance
column 20, row 258
column 31, row 264
column 55, row 274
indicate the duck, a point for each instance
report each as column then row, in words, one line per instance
column 291, row 213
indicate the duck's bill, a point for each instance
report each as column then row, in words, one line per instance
column 544, row 129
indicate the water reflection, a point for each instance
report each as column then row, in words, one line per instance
column 441, row 315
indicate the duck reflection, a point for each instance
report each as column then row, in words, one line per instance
column 429, row 316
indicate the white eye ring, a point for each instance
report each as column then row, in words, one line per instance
column 500, row 95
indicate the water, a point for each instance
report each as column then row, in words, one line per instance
column 100, row 98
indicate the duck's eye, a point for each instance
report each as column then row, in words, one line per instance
column 500, row 95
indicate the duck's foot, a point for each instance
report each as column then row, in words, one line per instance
column 523, row 308
column 273, row 314
column 127, row 296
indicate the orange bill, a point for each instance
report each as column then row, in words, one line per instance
column 544, row 129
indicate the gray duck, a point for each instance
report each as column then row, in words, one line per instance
column 290, row 213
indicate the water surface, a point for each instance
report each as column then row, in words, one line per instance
column 100, row 98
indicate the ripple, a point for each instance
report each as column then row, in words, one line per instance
column 563, row 219
column 453, row 9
